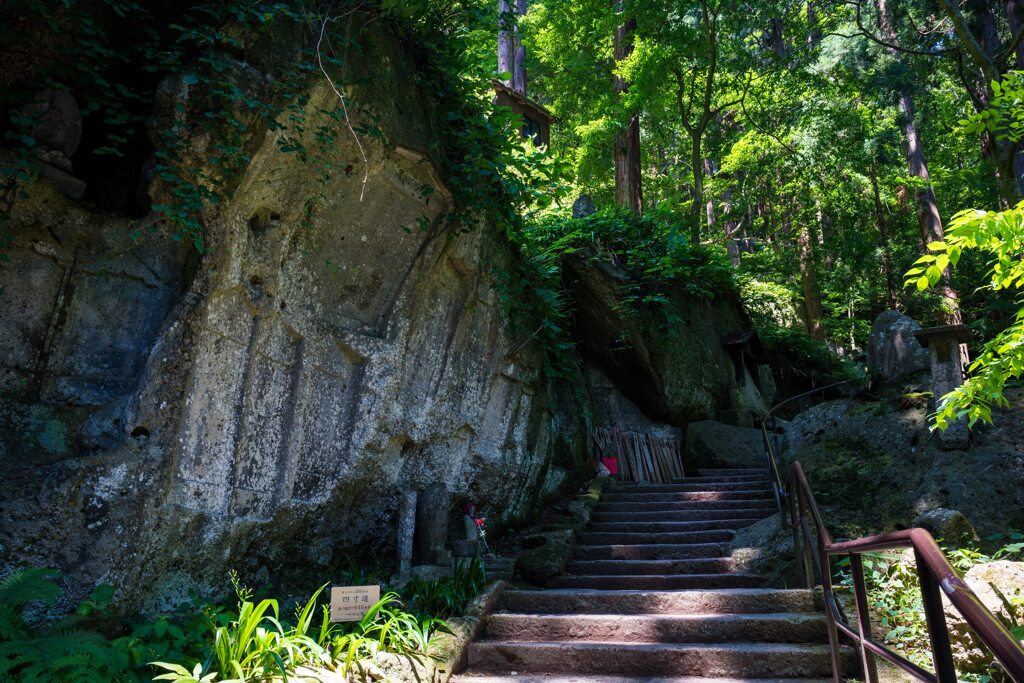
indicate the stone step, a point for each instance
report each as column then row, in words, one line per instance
column 660, row 567
column 723, row 479
column 654, row 628
column 691, row 485
column 651, row 551
column 731, row 471
column 657, row 581
column 755, row 660
column 674, row 496
column 629, row 526
column 728, row 601
column 685, row 505
column 632, row 538
column 698, row 515
column 541, row 678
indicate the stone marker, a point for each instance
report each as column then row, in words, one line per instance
column 406, row 532
column 949, row 360
column 57, row 130
column 583, row 207
column 431, row 525
column 893, row 351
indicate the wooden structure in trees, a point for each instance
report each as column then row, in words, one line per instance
column 536, row 119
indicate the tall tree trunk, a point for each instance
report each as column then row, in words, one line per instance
column 813, row 29
column 928, row 218
column 813, row 312
column 628, row 183
column 883, row 232
column 1015, row 19
column 506, row 42
column 697, row 168
column 519, row 63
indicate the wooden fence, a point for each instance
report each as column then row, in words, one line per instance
column 640, row 456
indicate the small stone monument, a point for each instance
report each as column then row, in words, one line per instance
column 470, row 545
column 583, row 207
column 57, row 130
column 893, row 351
column 949, row 358
column 432, row 526
column 406, row 534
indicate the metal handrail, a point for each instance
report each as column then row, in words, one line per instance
column 935, row 575
column 778, row 483
column 815, row 550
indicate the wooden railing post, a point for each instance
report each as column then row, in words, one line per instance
column 860, row 595
column 938, row 634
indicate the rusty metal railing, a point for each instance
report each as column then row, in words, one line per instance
column 773, row 446
column 935, row 574
column 816, row 550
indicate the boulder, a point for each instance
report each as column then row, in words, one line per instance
column 765, row 548
column 893, row 351
column 949, row 525
column 1000, row 587
column 548, row 558
column 714, row 444
column 583, row 207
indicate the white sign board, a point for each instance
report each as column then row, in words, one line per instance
column 350, row 603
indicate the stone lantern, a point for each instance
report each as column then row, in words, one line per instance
column 949, row 359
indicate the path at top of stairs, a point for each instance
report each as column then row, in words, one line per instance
column 652, row 596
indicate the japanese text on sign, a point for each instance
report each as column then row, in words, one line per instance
column 350, row 603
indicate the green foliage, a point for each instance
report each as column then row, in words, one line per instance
column 209, row 643
column 1000, row 235
column 63, row 650
column 447, row 596
column 798, row 353
column 653, row 255
column 894, row 593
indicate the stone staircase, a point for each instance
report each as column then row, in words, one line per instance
column 651, row 594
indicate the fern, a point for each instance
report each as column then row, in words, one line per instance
column 53, row 652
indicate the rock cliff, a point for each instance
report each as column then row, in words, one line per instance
column 167, row 415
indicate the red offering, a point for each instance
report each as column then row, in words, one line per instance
column 612, row 464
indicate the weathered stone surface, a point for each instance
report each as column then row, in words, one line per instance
column 548, row 558
column 406, row 532
column 892, row 349
column 882, row 467
column 583, row 207
column 766, row 548
column 673, row 378
column 57, row 122
column 1000, row 587
column 949, row 525
column 431, row 524
column 714, row 444
column 168, row 416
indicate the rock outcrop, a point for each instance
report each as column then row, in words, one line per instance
column 168, row 416
column 674, row 371
column 893, row 351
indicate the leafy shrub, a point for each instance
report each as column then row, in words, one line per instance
column 447, row 596
column 770, row 304
column 800, row 354
column 652, row 251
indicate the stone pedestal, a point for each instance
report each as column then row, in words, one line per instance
column 947, row 345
